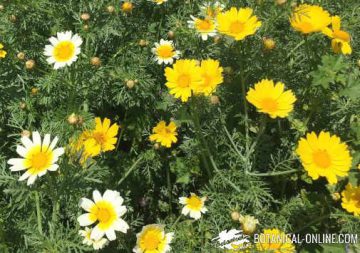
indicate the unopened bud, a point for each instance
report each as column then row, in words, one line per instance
column 25, row 133
column 30, row 64
column 20, row 56
column 130, row 84
column 95, row 61
column 85, row 16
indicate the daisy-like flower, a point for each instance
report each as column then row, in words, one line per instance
column 248, row 224
column 64, row 49
column 99, row 244
column 165, row 52
column 351, row 199
column 204, row 27
column 38, row 157
column 308, row 18
column 158, row 2
column 324, row 156
column 271, row 99
column 164, row 134
column 106, row 211
column 211, row 10
column 211, row 72
column 153, row 239
column 193, row 205
column 340, row 42
column 238, row 23
column 3, row 53
column 275, row 241
column 182, row 77
column 127, row 7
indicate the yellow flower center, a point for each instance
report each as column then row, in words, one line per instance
column 37, row 160
column 306, row 27
column 165, row 51
column 322, row 159
column 270, row 105
column 207, row 80
column 103, row 215
column 237, row 27
column 341, row 35
column 99, row 137
column 64, row 51
column 40, row 160
column 203, row 25
column 104, row 212
column 151, row 240
column 194, row 203
column 184, row 80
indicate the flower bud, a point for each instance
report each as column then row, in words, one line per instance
column 214, row 100
column 73, row 119
column 34, row 91
column 21, row 56
column 95, row 61
column 86, row 27
column 269, row 43
column 156, row 146
column 235, row 216
column 127, row 7
column 248, row 224
column 22, row 105
column 171, row 35
column 280, row 2
column 13, row 18
column 2, row 7
column 85, row 16
column 130, row 84
column 336, row 196
column 143, row 43
column 358, row 63
column 30, row 64
column 110, row 9
column 25, row 133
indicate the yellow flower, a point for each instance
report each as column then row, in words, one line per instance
column 211, row 73
column 127, row 7
column 324, row 156
column 64, row 49
column 164, row 134
column 340, row 42
column 274, row 241
column 309, row 18
column 165, row 52
column 351, row 199
column 194, row 206
column 2, row 52
column 106, row 210
column 38, row 157
column 248, row 224
column 158, row 2
column 181, row 79
column 204, row 27
column 271, row 99
column 238, row 23
column 152, row 239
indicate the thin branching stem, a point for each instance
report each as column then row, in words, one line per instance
column 38, row 212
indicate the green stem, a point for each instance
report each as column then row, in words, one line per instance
column 271, row 174
column 176, row 222
column 169, row 188
column 132, row 168
column 38, row 211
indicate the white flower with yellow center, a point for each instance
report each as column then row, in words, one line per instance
column 37, row 157
column 204, row 27
column 152, row 239
column 165, row 52
column 106, row 211
column 194, row 206
column 99, row 244
column 63, row 50
column 211, row 10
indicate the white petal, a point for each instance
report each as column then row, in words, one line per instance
column 42, row 173
column 109, row 195
column 97, row 233
column 46, row 143
column 185, row 211
column 53, row 143
column 120, row 211
column 25, row 176
column 86, row 204
column 183, row 200
column 119, row 200
column 21, row 151
column 195, row 214
column 51, row 60
column 36, row 138
column 26, row 142
column 84, row 220
column 97, row 196
column 121, row 225
column 110, row 234
column 53, row 167
column 31, row 179
column 57, row 152
column 54, row 41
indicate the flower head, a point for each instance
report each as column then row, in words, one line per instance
column 38, row 157
column 127, row 7
column 275, row 241
column 324, row 156
column 238, row 23
column 193, row 205
column 204, row 27
column 308, row 18
column 3, row 53
column 158, row 2
column 351, row 199
column 248, row 223
column 152, row 239
column 182, row 77
column 340, row 42
column 271, row 99
column 106, row 211
column 164, row 134
column 98, row 244
column 211, row 10
column 211, row 73
column 63, row 50
column 165, row 52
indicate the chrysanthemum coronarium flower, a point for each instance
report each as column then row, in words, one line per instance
column 308, row 18
column 238, row 23
column 194, row 206
column 2, row 51
column 106, row 211
column 165, row 52
column 276, row 241
column 182, row 77
column 98, row 244
column 211, row 9
column 351, row 199
column 324, row 156
column 211, row 73
column 205, row 27
column 64, row 49
column 271, row 98
column 340, row 42
column 37, row 157
column 164, row 134
column 153, row 239
column 248, row 224
column 158, row 2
